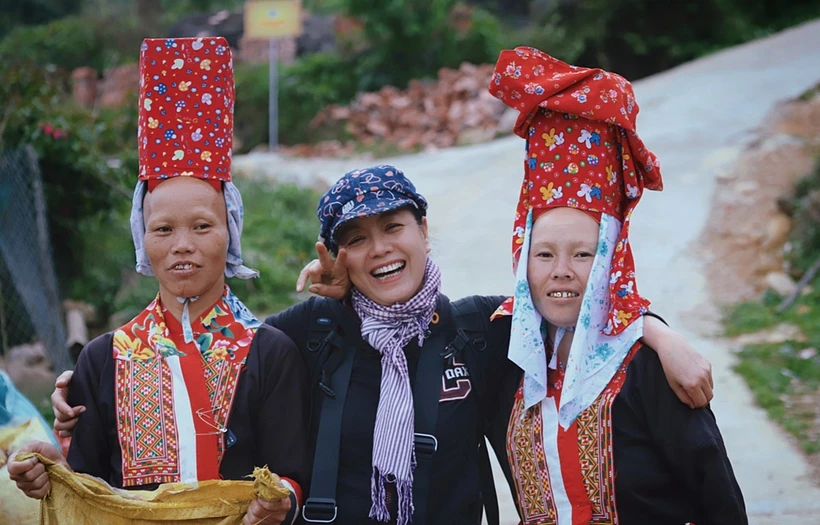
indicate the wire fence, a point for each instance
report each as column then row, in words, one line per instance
column 30, row 309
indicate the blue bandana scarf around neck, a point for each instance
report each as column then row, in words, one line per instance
column 233, row 262
column 389, row 329
column 594, row 357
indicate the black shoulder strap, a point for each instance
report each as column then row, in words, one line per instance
column 323, row 335
column 321, row 506
column 472, row 328
column 426, row 397
column 320, row 325
column 471, row 339
column 330, row 359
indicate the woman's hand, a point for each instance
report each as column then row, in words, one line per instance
column 65, row 416
column 329, row 276
column 30, row 474
column 267, row 512
column 688, row 373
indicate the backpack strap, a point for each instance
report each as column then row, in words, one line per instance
column 426, row 397
column 330, row 361
column 321, row 506
column 472, row 327
column 471, row 339
column 323, row 335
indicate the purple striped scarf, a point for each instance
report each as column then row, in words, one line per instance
column 388, row 329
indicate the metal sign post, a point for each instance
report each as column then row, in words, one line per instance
column 273, row 98
column 271, row 20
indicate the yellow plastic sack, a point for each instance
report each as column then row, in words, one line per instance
column 78, row 498
column 15, row 507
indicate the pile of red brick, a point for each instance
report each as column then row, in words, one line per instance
column 455, row 109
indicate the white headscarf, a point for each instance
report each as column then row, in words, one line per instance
column 594, row 357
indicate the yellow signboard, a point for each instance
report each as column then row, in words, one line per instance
column 273, row 18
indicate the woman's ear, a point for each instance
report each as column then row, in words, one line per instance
column 425, row 233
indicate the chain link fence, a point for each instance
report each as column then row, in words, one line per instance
column 30, row 309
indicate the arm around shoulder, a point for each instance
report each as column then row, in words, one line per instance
column 689, row 374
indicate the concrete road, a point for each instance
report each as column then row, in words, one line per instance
column 697, row 118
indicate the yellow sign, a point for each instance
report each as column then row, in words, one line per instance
column 273, row 18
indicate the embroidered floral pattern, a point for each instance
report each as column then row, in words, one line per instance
column 589, row 140
column 184, row 83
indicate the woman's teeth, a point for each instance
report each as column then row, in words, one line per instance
column 562, row 295
column 183, row 266
column 387, row 271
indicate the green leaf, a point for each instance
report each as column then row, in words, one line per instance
column 204, row 342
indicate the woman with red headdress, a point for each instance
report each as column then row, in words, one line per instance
column 592, row 431
column 193, row 388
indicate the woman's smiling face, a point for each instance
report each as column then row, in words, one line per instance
column 562, row 249
column 386, row 255
column 186, row 237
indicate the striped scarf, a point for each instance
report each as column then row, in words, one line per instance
column 389, row 329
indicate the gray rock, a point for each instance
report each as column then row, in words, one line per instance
column 780, row 283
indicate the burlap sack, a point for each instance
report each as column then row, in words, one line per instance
column 15, row 507
column 78, row 498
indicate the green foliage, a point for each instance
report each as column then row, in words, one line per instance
column 550, row 35
column 27, row 12
column 785, row 381
column 405, row 39
column 637, row 38
column 401, row 43
column 173, row 9
column 279, row 234
column 251, row 108
column 105, row 275
column 68, row 43
column 74, row 149
column 749, row 317
column 805, row 237
column 415, row 38
column 322, row 7
column 785, row 385
column 14, row 329
column 305, row 88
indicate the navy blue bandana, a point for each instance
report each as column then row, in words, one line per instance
column 362, row 193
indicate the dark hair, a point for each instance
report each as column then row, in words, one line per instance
column 417, row 212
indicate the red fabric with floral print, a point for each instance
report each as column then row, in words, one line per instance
column 582, row 152
column 186, row 108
